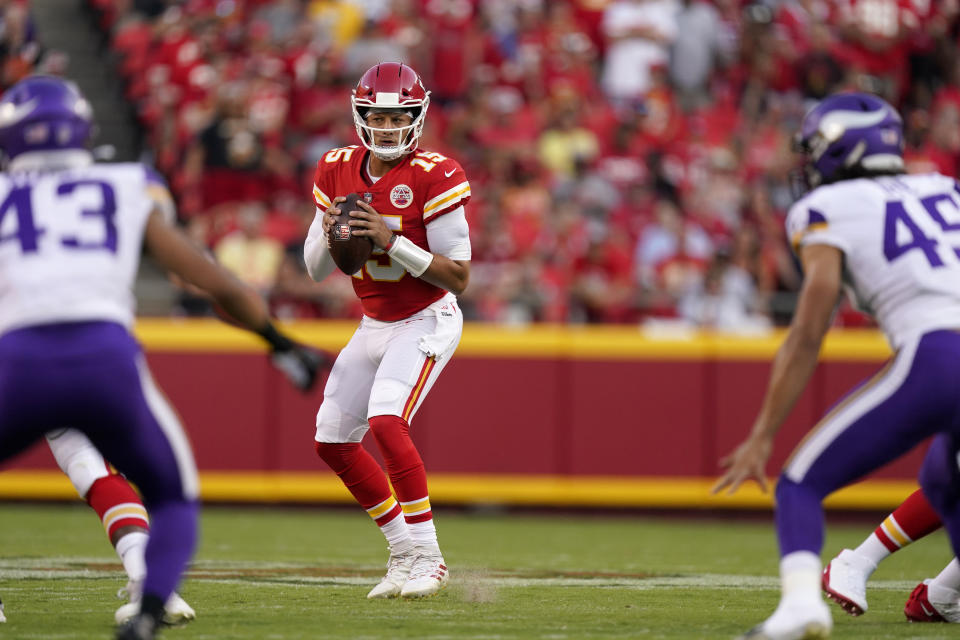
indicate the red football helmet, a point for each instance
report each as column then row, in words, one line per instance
column 390, row 85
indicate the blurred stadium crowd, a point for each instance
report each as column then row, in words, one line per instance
column 629, row 160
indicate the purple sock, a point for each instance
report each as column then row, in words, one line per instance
column 173, row 535
column 799, row 517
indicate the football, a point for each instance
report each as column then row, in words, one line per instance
column 348, row 251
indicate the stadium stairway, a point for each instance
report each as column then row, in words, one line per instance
column 69, row 26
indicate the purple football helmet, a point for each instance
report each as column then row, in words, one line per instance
column 44, row 113
column 850, row 135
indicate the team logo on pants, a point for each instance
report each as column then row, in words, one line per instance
column 401, row 196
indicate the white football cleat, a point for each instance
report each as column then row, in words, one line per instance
column 427, row 577
column 845, row 581
column 398, row 569
column 3, row 618
column 176, row 610
column 795, row 619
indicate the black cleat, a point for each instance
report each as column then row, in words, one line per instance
column 140, row 627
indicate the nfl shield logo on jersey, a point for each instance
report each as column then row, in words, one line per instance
column 367, row 197
column 401, row 196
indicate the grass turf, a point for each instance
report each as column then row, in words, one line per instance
column 274, row 573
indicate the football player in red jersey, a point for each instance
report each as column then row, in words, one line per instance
column 412, row 210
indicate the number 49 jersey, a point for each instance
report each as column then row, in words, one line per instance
column 423, row 187
column 70, row 243
column 900, row 236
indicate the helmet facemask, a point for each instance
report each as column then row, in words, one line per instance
column 408, row 136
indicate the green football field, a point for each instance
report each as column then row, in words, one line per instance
column 278, row 574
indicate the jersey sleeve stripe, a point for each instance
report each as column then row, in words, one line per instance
column 153, row 177
column 446, row 198
column 322, row 200
column 800, row 235
column 162, row 201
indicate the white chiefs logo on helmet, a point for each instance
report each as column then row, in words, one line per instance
column 401, row 196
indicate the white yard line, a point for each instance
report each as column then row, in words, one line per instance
column 233, row 572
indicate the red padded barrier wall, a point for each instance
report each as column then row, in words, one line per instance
column 554, row 409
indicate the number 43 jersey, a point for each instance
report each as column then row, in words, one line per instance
column 421, row 188
column 900, row 236
column 70, row 243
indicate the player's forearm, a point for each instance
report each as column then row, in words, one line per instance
column 316, row 253
column 438, row 270
column 793, row 366
column 316, row 256
column 244, row 306
column 797, row 357
column 452, row 275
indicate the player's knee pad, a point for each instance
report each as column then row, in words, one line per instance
column 388, row 396
column 783, row 486
column 333, row 425
column 338, row 456
column 788, row 490
column 393, row 437
column 78, row 458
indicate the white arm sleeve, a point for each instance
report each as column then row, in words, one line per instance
column 316, row 255
column 449, row 235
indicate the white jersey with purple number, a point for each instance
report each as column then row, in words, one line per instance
column 70, row 243
column 900, row 236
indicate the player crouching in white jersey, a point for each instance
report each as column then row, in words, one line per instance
column 892, row 240
column 73, row 232
column 412, row 209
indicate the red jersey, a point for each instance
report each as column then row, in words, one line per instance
column 419, row 189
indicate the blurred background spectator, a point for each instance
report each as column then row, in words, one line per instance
column 19, row 49
column 629, row 159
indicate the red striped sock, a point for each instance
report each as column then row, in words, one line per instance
column 912, row 520
column 403, row 462
column 407, row 475
column 117, row 504
column 362, row 476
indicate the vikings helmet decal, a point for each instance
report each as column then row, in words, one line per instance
column 849, row 135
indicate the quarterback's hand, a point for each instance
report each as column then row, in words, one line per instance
column 330, row 216
column 745, row 463
column 300, row 364
column 369, row 223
